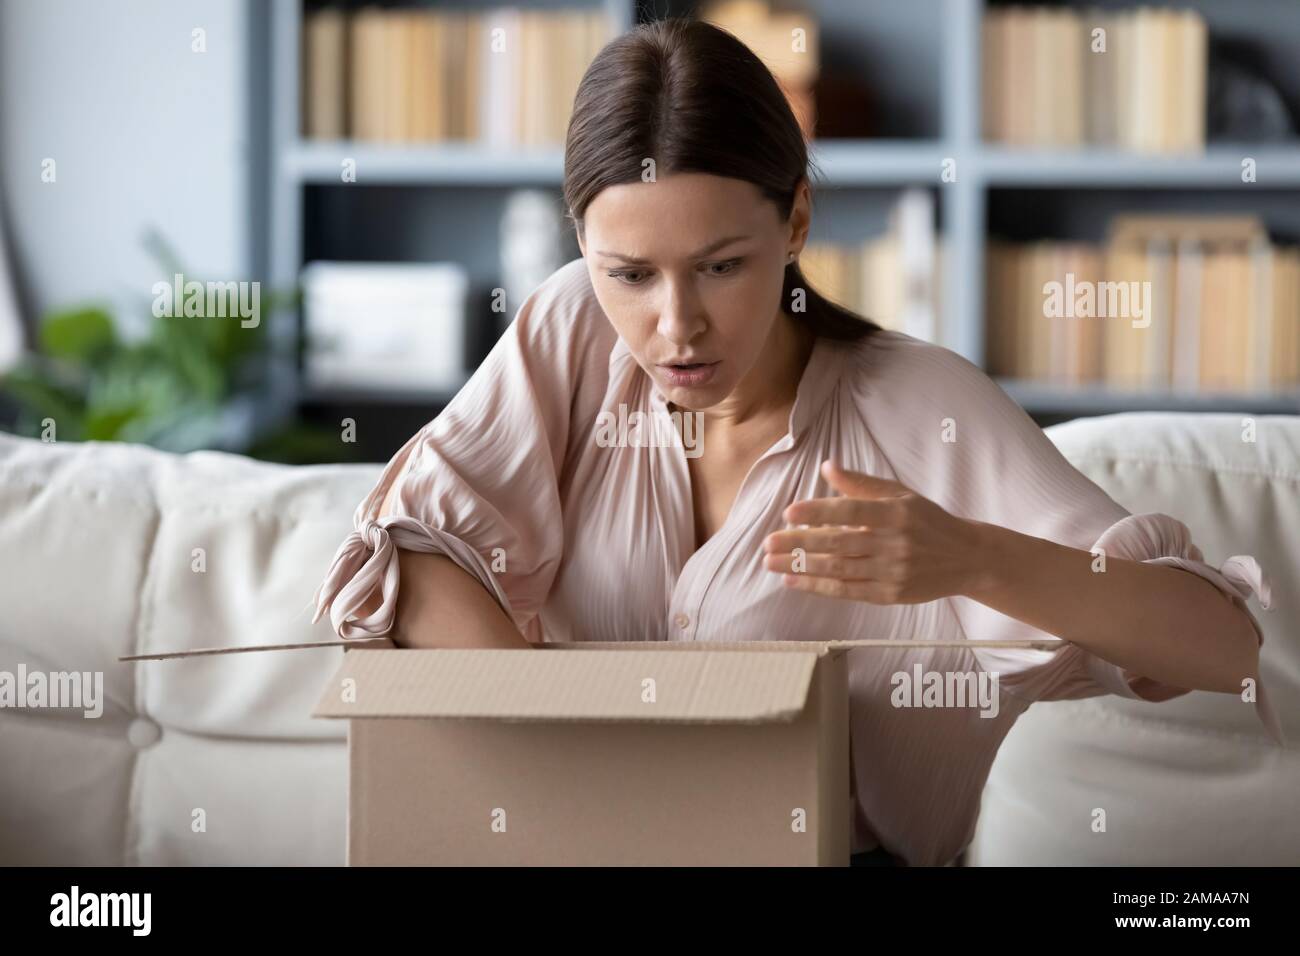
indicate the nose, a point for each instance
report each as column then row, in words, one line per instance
column 681, row 317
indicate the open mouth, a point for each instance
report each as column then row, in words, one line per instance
column 689, row 374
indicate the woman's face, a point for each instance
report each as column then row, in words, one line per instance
column 689, row 271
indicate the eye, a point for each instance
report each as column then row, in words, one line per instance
column 729, row 266
column 622, row 275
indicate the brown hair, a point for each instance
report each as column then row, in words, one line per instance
column 693, row 98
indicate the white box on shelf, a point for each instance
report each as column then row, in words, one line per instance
column 378, row 325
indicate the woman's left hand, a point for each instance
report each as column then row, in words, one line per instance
column 881, row 543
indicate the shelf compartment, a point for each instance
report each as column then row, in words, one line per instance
column 1036, row 396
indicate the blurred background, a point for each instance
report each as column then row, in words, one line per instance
column 241, row 224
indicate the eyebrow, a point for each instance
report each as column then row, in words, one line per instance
column 711, row 247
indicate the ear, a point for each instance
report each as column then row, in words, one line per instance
column 800, row 221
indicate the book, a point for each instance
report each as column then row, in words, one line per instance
column 1193, row 46
column 499, row 106
column 1042, row 79
column 324, row 74
column 1188, row 298
column 396, row 75
column 1069, row 49
column 999, row 319
column 1213, row 312
column 993, row 53
column 1155, row 373
column 1100, row 78
column 1213, row 373
column 912, row 223
column 1128, row 228
column 361, row 74
column 1134, row 79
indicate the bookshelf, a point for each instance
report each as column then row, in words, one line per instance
column 923, row 60
column 1092, row 399
column 1080, row 169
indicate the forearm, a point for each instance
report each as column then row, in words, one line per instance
column 1160, row 622
column 440, row 605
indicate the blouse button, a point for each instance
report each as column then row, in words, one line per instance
column 681, row 620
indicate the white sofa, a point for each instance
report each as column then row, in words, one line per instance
column 1194, row 780
column 98, row 544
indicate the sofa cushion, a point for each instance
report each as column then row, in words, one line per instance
column 120, row 549
column 1193, row 780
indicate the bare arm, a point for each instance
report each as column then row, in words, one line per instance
column 440, row 605
column 1164, row 623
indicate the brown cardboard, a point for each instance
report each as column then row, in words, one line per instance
column 253, row 648
column 481, row 757
column 513, row 757
column 354, row 642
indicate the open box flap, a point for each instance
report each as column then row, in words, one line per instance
column 819, row 647
column 813, row 647
column 710, row 686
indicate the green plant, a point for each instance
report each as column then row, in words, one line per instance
column 177, row 387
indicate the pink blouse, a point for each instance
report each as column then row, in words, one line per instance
column 580, row 539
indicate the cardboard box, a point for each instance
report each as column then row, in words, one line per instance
column 592, row 753
column 596, row 753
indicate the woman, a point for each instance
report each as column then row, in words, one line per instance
column 850, row 481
